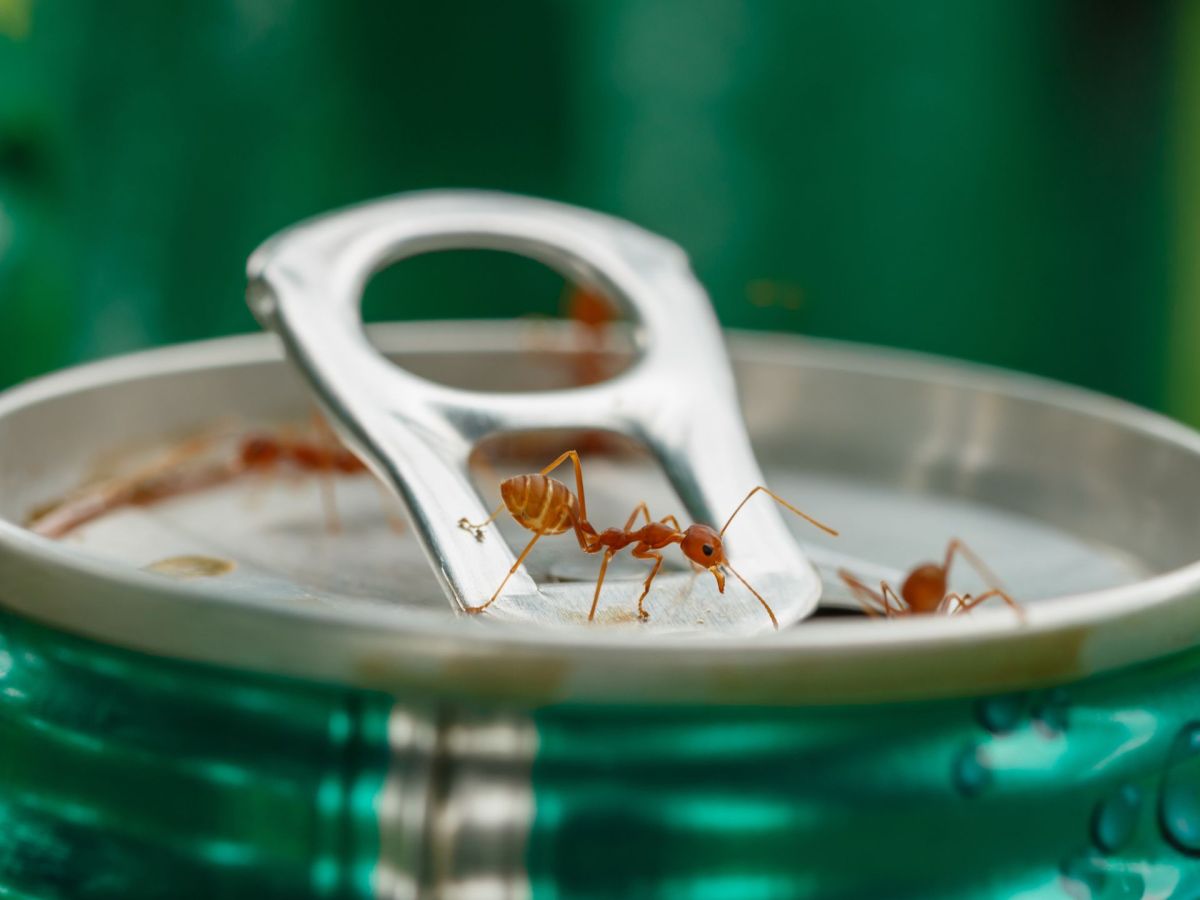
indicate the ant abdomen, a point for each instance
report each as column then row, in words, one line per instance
column 924, row 588
column 539, row 503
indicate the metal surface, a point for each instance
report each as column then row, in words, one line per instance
column 678, row 397
column 457, row 808
column 900, row 440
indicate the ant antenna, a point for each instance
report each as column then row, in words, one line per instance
column 779, row 500
column 766, row 606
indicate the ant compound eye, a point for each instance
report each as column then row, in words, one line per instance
column 708, row 550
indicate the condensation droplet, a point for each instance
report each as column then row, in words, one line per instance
column 192, row 567
column 1051, row 712
column 1179, row 799
column 972, row 773
column 1115, row 818
column 1002, row 714
column 1086, row 876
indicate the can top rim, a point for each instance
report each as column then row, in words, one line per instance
column 405, row 650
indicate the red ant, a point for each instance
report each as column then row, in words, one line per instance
column 546, row 506
column 324, row 457
column 168, row 476
column 924, row 590
column 172, row 476
column 594, row 313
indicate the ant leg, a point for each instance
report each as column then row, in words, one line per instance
column 780, row 501
column 387, row 501
column 515, row 566
column 967, row 604
column 608, row 554
column 867, row 598
column 889, row 592
column 333, row 523
column 165, row 477
column 947, row 606
column 673, row 522
column 264, row 477
column 641, row 551
column 574, row 457
column 984, row 571
column 640, row 508
column 328, row 438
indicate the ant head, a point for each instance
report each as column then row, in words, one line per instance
column 702, row 545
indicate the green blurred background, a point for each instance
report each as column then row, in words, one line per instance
column 1012, row 181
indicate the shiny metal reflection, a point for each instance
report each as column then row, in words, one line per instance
column 456, row 809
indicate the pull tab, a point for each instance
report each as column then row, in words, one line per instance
column 678, row 397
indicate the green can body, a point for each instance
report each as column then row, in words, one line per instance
column 127, row 775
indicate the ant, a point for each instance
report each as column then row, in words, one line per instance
column 924, row 590
column 546, row 506
column 325, row 457
column 176, row 474
column 168, row 476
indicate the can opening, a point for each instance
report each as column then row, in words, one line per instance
column 571, row 334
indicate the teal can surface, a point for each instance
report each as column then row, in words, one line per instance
column 129, row 776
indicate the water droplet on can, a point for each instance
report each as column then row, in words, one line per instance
column 1115, row 818
column 1002, row 714
column 1086, row 876
column 972, row 774
column 1179, row 800
column 1085, row 880
column 1050, row 713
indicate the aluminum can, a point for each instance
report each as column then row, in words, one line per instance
column 302, row 733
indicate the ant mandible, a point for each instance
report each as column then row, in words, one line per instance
column 546, row 506
column 924, row 590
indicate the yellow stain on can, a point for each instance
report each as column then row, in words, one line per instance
column 192, row 567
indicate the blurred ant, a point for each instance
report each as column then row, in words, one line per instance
column 177, row 473
column 546, row 506
column 324, row 457
column 924, row 590
column 591, row 315
column 594, row 313
column 168, row 476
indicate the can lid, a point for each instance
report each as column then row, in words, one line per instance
column 1083, row 505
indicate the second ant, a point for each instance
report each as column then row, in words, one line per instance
column 924, row 591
